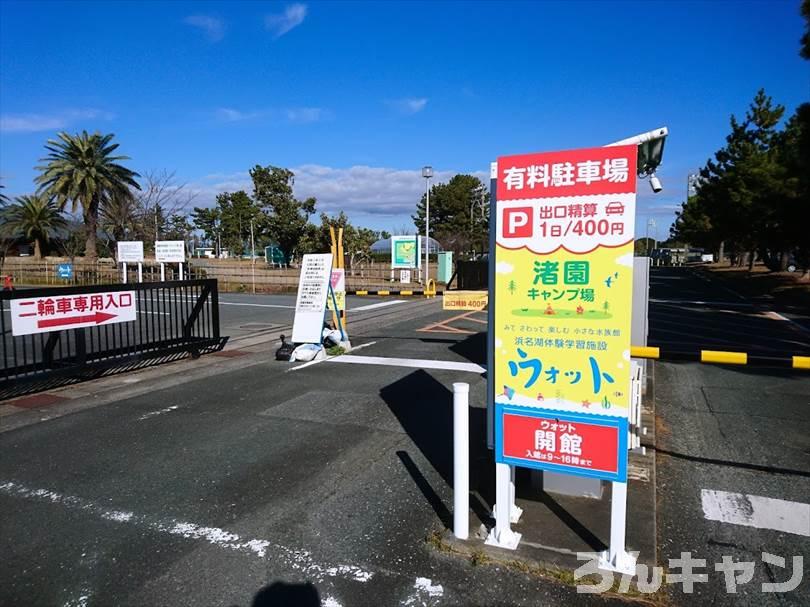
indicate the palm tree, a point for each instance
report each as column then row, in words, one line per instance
column 33, row 218
column 81, row 169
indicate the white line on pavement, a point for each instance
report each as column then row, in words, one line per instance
column 382, row 304
column 702, row 303
column 756, row 511
column 300, row 560
column 315, row 362
column 158, row 412
column 417, row 363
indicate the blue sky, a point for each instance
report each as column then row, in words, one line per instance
column 356, row 97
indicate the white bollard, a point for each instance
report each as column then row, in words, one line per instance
column 461, row 460
column 140, row 272
column 181, row 270
column 162, row 273
column 124, row 273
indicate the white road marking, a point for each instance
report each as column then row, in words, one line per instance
column 701, row 303
column 315, row 362
column 756, row 511
column 240, row 303
column 300, row 560
column 425, row 592
column 254, row 305
column 417, row 363
column 158, row 412
column 382, row 304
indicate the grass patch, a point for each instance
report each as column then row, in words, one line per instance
column 335, row 350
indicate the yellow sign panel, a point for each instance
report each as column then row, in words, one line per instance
column 464, row 300
column 563, row 294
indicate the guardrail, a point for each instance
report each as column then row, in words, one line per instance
column 721, row 357
column 173, row 320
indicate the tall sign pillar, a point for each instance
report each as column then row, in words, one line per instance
column 561, row 310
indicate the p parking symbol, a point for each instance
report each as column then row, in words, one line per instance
column 517, row 222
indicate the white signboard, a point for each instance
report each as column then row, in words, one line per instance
column 130, row 251
column 313, row 287
column 170, row 251
column 59, row 312
column 405, row 276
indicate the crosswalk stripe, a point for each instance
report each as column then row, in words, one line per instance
column 756, row 511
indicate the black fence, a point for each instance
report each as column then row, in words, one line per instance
column 472, row 275
column 174, row 320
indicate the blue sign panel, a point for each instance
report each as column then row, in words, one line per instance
column 64, row 271
column 582, row 444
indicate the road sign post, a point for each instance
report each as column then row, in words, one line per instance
column 170, row 251
column 310, row 304
column 561, row 298
column 131, row 252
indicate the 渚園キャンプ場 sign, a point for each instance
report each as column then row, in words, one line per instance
column 562, row 309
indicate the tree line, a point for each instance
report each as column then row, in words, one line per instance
column 83, row 173
column 752, row 199
column 272, row 215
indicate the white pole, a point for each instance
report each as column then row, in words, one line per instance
column 181, row 270
column 162, row 273
column 427, row 228
column 502, row 535
column 615, row 558
column 140, row 272
column 461, row 460
column 618, row 520
column 124, row 273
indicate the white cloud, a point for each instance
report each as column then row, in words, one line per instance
column 304, row 114
column 213, row 28
column 408, row 105
column 625, row 260
column 503, row 267
column 358, row 189
column 31, row 123
column 280, row 24
column 296, row 115
column 227, row 114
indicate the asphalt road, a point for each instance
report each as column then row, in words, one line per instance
column 258, row 484
column 213, row 492
column 733, row 458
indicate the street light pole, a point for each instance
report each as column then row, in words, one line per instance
column 427, row 173
column 252, row 257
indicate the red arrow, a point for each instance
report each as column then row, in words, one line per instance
column 98, row 317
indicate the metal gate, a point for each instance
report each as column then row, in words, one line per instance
column 174, row 320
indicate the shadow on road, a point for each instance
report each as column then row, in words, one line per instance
column 424, row 409
column 282, row 594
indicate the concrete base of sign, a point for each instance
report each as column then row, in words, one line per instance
column 622, row 562
column 505, row 539
column 346, row 345
column 514, row 514
column 577, row 486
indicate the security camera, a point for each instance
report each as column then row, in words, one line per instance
column 655, row 183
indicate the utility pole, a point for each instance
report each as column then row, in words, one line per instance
column 252, row 256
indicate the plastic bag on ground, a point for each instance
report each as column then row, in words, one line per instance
column 307, row 352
